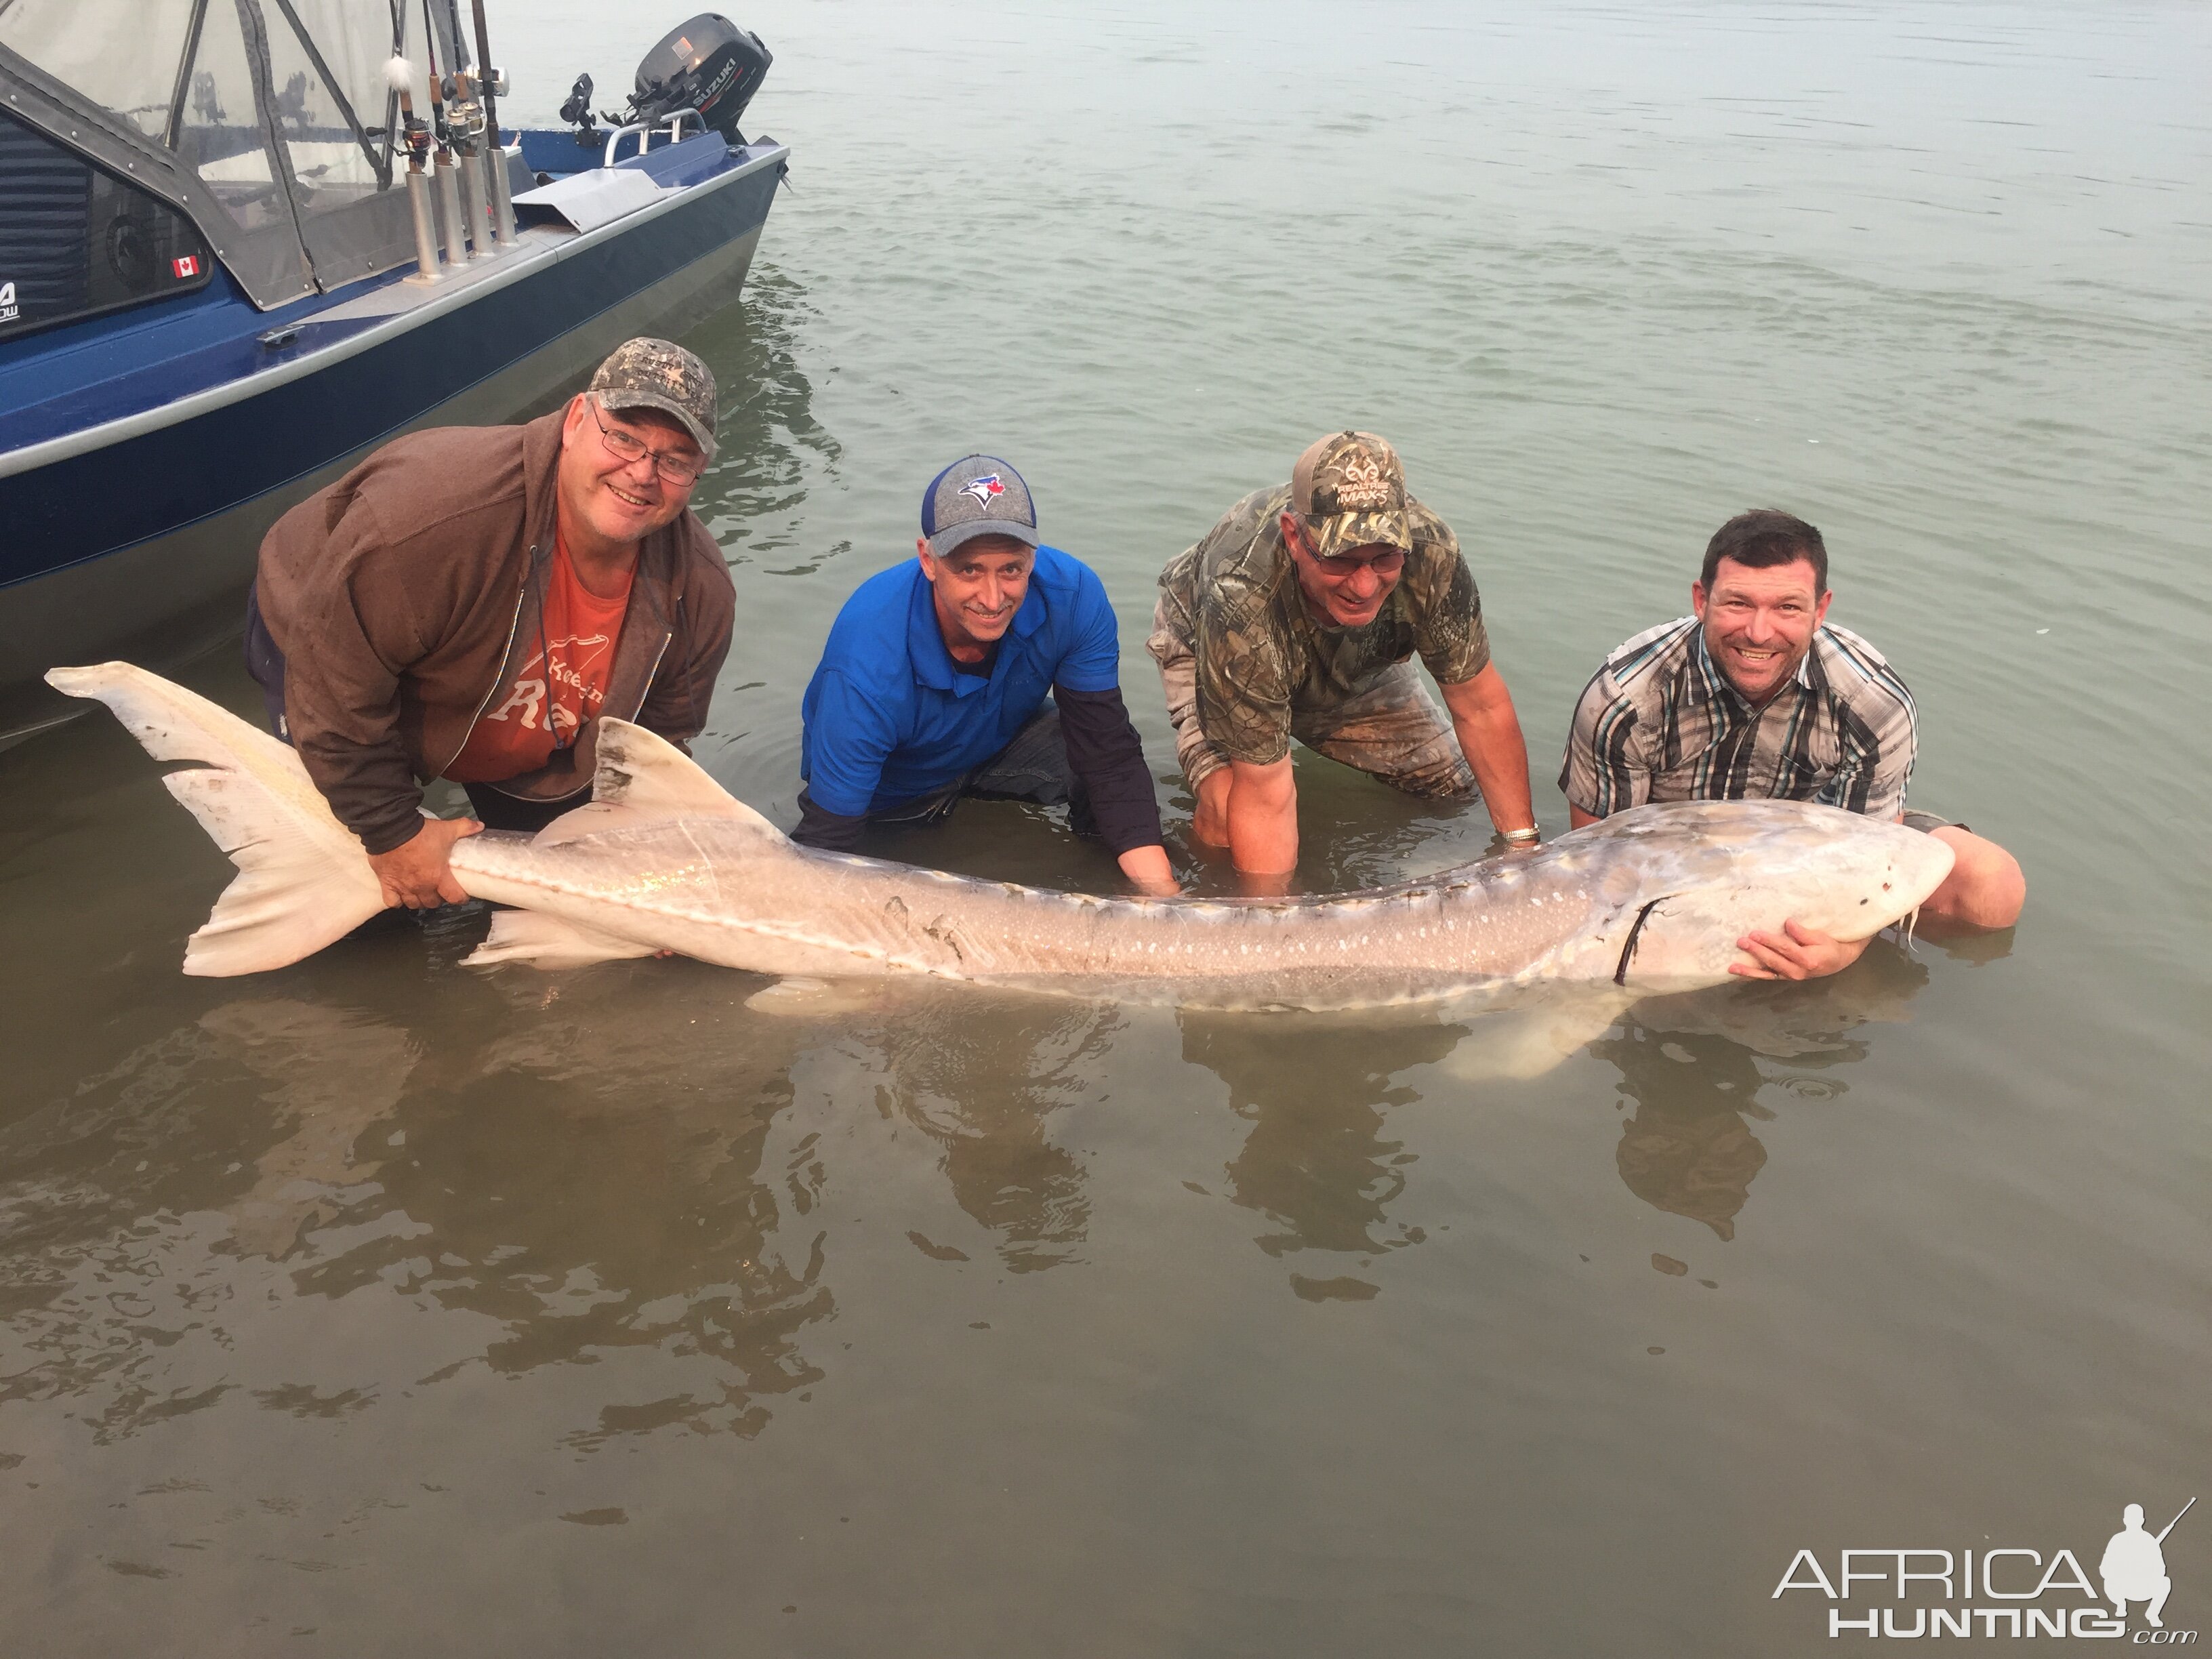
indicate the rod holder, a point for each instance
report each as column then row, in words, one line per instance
column 473, row 203
column 426, row 229
column 502, row 201
column 452, row 228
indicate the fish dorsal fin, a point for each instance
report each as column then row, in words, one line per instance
column 642, row 778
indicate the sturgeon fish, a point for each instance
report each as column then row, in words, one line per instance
column 664, row 859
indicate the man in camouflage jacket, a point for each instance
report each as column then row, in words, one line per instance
column 1298, row 616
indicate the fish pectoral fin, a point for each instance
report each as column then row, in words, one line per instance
column 799, row 996
column 544, row 941
column 642, row 777
column 1519, row 1043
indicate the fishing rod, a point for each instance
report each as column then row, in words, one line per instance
column 452, row 222
column 492, row 85
column 465, row 114
column 414, row 134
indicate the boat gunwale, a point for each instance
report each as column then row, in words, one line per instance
column 501, row 271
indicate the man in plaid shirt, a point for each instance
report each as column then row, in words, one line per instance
column 1755, row 697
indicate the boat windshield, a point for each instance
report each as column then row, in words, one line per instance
column 274, row 114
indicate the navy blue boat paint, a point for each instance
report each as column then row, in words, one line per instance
column 104, row 369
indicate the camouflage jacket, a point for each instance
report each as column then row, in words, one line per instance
column 1260, row 652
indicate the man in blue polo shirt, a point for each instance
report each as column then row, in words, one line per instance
column 933, row 685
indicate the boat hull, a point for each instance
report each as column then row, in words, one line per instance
column 141, row 547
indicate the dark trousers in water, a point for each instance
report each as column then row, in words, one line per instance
column 497, row 810
column 1034, row 767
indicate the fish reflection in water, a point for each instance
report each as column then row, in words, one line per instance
column 982, row 1076
column 592, row 1177
column 586, row 1177
column 1690, row 1066
column 331, row 1073
column 590, row 1170
column 1316, row 1164
column 1317, row 1090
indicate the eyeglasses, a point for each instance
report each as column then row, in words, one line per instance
column 627, row 447
column 1335, row 565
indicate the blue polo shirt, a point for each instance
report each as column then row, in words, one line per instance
column 889, row 719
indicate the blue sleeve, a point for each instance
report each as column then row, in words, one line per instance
column 1092, row 661
column 848, row 740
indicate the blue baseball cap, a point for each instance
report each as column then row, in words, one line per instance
column 976, row 495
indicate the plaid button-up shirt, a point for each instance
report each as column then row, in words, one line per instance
column 1660, row 722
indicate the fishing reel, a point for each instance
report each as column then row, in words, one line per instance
column 417, row 137
column 464, row 111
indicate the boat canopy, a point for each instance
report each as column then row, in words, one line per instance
column 268, row 123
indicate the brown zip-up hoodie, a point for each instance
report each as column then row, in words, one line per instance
column 406, row 597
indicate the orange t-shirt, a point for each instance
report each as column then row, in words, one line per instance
column 516, row 734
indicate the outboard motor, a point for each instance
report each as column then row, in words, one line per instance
column 708, row 64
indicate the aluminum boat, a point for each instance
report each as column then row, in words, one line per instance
column 243, row 243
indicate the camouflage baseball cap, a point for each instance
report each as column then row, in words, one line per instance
column 646, row 373
column 1351, row 491
column 976, row 495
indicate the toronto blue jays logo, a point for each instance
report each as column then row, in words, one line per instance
column 983, row 488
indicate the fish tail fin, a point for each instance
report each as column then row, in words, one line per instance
column 303, row 880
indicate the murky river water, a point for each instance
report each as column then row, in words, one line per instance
column 384, row 1306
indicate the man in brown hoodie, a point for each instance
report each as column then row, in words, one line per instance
column 468, row 601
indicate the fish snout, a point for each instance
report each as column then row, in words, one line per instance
column 1911, row 866
column 1922, row 868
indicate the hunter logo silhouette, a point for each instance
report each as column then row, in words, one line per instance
column 2134, row 1567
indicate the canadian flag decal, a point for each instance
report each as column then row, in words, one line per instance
column 187, row 266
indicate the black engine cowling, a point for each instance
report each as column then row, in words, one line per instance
column 708, row 64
